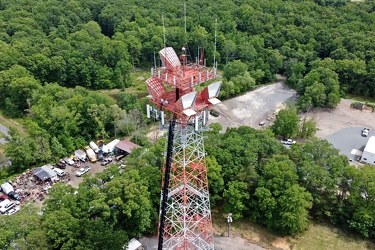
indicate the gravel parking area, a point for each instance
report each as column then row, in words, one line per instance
column 330, row 121
column 74, row 180
column 253, row 107
column 342, row 127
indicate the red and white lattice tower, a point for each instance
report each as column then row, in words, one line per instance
column 185, row 215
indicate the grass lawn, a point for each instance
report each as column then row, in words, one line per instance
column 320, row 236
column 317, row 236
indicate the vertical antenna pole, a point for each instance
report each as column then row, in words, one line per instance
column 162, row 18
column 185, row 15
column 154, row 60
column 198, row 56
column 165, row 51
column 215, row 43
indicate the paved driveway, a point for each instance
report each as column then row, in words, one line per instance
column 349, row 141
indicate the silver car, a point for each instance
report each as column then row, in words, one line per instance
column 83, row 171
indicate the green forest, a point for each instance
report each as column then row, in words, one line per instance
column 59, row 60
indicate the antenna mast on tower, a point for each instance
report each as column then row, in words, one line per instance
column 185, row 214
column 185, row 15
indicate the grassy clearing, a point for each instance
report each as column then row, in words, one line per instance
column 317, row 236
column 360, row 98
column 138, row 86
column 320, row 236
column 7, row 122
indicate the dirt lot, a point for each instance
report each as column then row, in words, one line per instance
column 260, row 105
column 334, row 120
column 74, row 180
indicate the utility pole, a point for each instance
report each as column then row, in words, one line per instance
column 229, row 219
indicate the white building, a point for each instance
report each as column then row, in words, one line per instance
column 368, row 155
column 134, row 244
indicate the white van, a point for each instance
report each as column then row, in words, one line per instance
column 59, row 172
column 6, row 205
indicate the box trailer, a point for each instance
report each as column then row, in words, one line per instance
column 110, row 147
column 81, row 155
column 6, row 188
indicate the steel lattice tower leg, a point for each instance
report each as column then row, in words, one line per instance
column 185, row 208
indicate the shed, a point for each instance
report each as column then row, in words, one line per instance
column 41, row 174
column 44, row 173
column 368, row 155
column 125, row 147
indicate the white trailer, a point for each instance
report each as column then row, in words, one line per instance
column 6, row 188
column 108, row 148
column 81, row 155
column 368, row 155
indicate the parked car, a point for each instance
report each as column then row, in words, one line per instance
column 365, row 132
column 287, row 141
column 83, row 171
column 61, row 164
column 3, row 197
column 69, row 161
column 106, row 161
column 14, row 195
column 59, row 172
column 74, row 158
column 12, row 211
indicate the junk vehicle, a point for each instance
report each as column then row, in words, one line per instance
column 81, row 155
column 94, row 147
column 6, row 205
column 91, row 154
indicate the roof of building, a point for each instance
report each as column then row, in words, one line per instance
column 49, row 170
column 126, row 146
column 370, row 146
column 44, row 172
column 134, row 244
column 41, row 174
